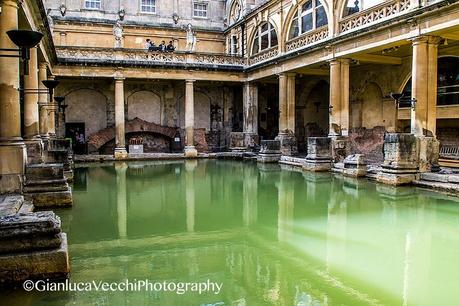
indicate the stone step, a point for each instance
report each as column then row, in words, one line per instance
column 10, row 204
column 45, row 183
column 44, row 172
column 36, row 188
column 27, row 207
column 29, row 243
column 28, row 225
column 51, row 199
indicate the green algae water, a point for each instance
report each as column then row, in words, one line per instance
column 270, row 236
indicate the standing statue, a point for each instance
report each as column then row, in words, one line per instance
column 50, row 21
column 118, row 33
column 190, row 38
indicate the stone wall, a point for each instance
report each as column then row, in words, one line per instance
column 368, row 142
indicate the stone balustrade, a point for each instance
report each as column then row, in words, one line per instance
column 307, row 38
column 112, row 56
column 264, row 55
column 376, row 13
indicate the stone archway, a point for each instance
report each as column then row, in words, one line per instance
column 144, row 105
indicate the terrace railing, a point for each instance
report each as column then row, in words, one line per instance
column 307, row 38
column 144, row 57
column 264, row 55
column 377, row 13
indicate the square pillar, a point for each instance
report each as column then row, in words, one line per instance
column 12, row 149
column 250, row 119
column 339, row 97
column 190, row 149
column 120, row 142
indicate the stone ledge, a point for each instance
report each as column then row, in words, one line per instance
column 10, row 204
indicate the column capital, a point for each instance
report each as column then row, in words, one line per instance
column 12, row 3
column 422, row 39
column 336, row 61
column 43, row 65
column 119, row 78
column 190, row 81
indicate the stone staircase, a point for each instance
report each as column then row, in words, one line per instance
column 46, row 186
column 32, row 245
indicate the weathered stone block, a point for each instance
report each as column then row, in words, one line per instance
column 251, row 140
column 190, row 152
column 269, row 151
column 288, row 145
column 237, row 141
column 44, row 172
column 45, row 264
column 429, row 152
column 32, row 243
column 339, row 149
column 355, row 165
column 318, row 158
column 34, row 151
column 51, row 199
column 26, row 225
column 10, row 204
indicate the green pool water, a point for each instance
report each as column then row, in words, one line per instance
column 270, row 236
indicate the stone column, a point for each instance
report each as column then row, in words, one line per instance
column 12, row 148
column 43, row 101
column 32, row 139
column 339, row 97
column 120, row 142
column 291, row 102
column 250, row 120
column 424, row 93
column 190, row 150
column 286, row 100
column 52, row 108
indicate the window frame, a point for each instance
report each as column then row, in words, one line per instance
column 259, row 34
column 155, row 7
column 299, row 15
column 206, row 11
column 85, row 3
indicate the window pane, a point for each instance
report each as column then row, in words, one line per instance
column 273, row 38
column 294, row 30
column 306, row 23
column 255, row 45
column 264, row 41
column 264, row 28
column 148, row 6
column 307, row 6
column 321, row 17
column 92, row 4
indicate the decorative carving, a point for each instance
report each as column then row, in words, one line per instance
column 307, row 38
column 378, row 12
column 264, row 55
column 118, row 33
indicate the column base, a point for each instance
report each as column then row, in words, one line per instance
column 251, row 141
column 288, row 145
column 429, row 152
column 395, row 179
column 190, row 152
column 237, row 143
column 120, row 153
column 317, row 165
column 34, row 147
column 13, row 158
column 45, row 141
column 269, row 151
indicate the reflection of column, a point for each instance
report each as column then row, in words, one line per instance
column 286, row 198
column 121, row 202
column 120, row 143
column 190, row 165
column 31, row 117
column 339, row 97
column 43, row 100
column 190, row 150
column 250, row 119
column 336, row 228
column 12, row 149
column 250, row 196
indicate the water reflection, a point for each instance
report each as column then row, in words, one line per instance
column 273, row 237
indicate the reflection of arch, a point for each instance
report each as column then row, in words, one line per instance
column 99, row 139
column 263, row 37
column 298, row 18
column 88, row 106
column 372, row 106
column 145, row 105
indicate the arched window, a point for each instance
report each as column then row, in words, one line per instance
column 235, row 12
column 310, row 15
column 265, row 38
column 354, row 6
column 447, row 82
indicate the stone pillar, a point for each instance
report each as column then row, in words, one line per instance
column 250, row 120
column 339, row 97
column 319, row 156
column 120, row 142
column 52, row 108
column 12, row 148
column 121, row 198
column 190, row 150
column 286, row 108
column 43, row 101
column 424, row 93
column 32, row 139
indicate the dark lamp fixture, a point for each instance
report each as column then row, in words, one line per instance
column 50, row 84
column 396, row 96
column 63, row 9
column 121, row 14
column 59, row 100
column 25, row 38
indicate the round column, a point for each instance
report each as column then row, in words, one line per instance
column 120, row 142
column 43, row 101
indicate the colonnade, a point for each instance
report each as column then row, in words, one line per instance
column 19, row 148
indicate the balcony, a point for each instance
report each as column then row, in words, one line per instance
column 307, row 38
column 264, row 55
column 141, row 57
